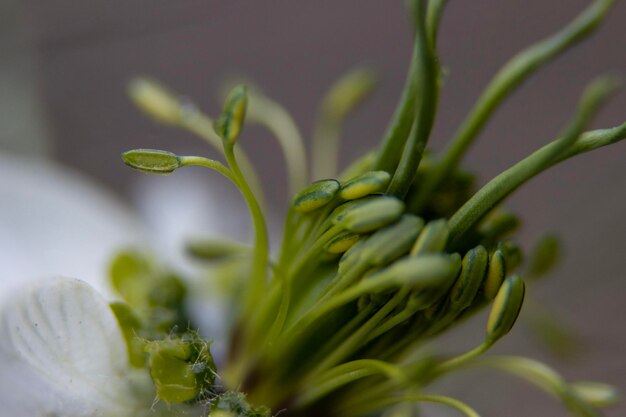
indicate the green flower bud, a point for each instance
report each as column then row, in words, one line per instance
column 513, row 255
column 373, row 215
column 342, row 242
column 340, row 211
column 315, row 195
column 351, row 257
column 506, row 308
column 393, row 241
column 171, row 372
column 151, row 161
column 421, row 300
column 348, row 92
column 470, row 280
column 215, row 249
column 129, row 272
column 432, row 239
column 495, row 275
column 155, row 100
column 499, row 224
column 368, row 183
column 423, row 272
column 545, row 256
column 181, row 368
column 229, row 124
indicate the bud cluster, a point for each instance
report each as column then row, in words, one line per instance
column 374, row 263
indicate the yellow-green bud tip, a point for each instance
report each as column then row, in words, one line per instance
column 155, row 100
column 315, row 195
column 229, row 124
column 368, row 183
column 597, row 394
column 349, row 91
column 506, row 308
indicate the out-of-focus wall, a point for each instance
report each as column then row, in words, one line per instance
column 22, row 120
column 87, row 50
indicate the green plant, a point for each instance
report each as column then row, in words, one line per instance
column 374, row 265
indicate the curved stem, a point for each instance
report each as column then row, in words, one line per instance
column 400, row 126
column 208, row 163
column 433, row 18
column 261, row 242
column 512, row 75
column 201, row 125
column 460, row 360
column 429, row 398
column 275, row 118
column 425, row 108
column 345, row 373
column 505, row 183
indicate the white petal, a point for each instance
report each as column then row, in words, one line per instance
column 62, row 337
column 56, row 222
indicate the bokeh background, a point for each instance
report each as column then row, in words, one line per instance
column 64, row 65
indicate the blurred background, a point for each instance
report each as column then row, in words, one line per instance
column 64, row 67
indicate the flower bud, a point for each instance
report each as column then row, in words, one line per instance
column 171, row 372
column 513, row 255
column 229, row 124
column 393, row 241
column 499, row 224
column 368, row 183
column 432, row 239
column 469, row 281
column 182, row 368
column 545, row 256
column 151, row 161
column 373, row 215
column 423, row 272
column 348, row 92
column 506, row 308
column 315, row 195
column 342, row 242
column 155, row 100
column 215, row 249
column 495, row 275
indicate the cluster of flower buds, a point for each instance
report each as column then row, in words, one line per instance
column 373, row 265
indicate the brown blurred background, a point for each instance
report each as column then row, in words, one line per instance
column 64, row 65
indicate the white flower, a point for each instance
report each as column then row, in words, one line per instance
column 62, row 353
column 55, row 222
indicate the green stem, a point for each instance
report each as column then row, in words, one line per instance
column 505, row 183
column 543, row 377
column 512, row 75
column 440, row 399
column 275, row 118
column 260, row 255
column 208, row 163
column 425, row 108
column 593, row 140
column 460, row 360
column 345, row 373
column 402, row 120
column 201, row 125
column 433, row 18
column 358, row 337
